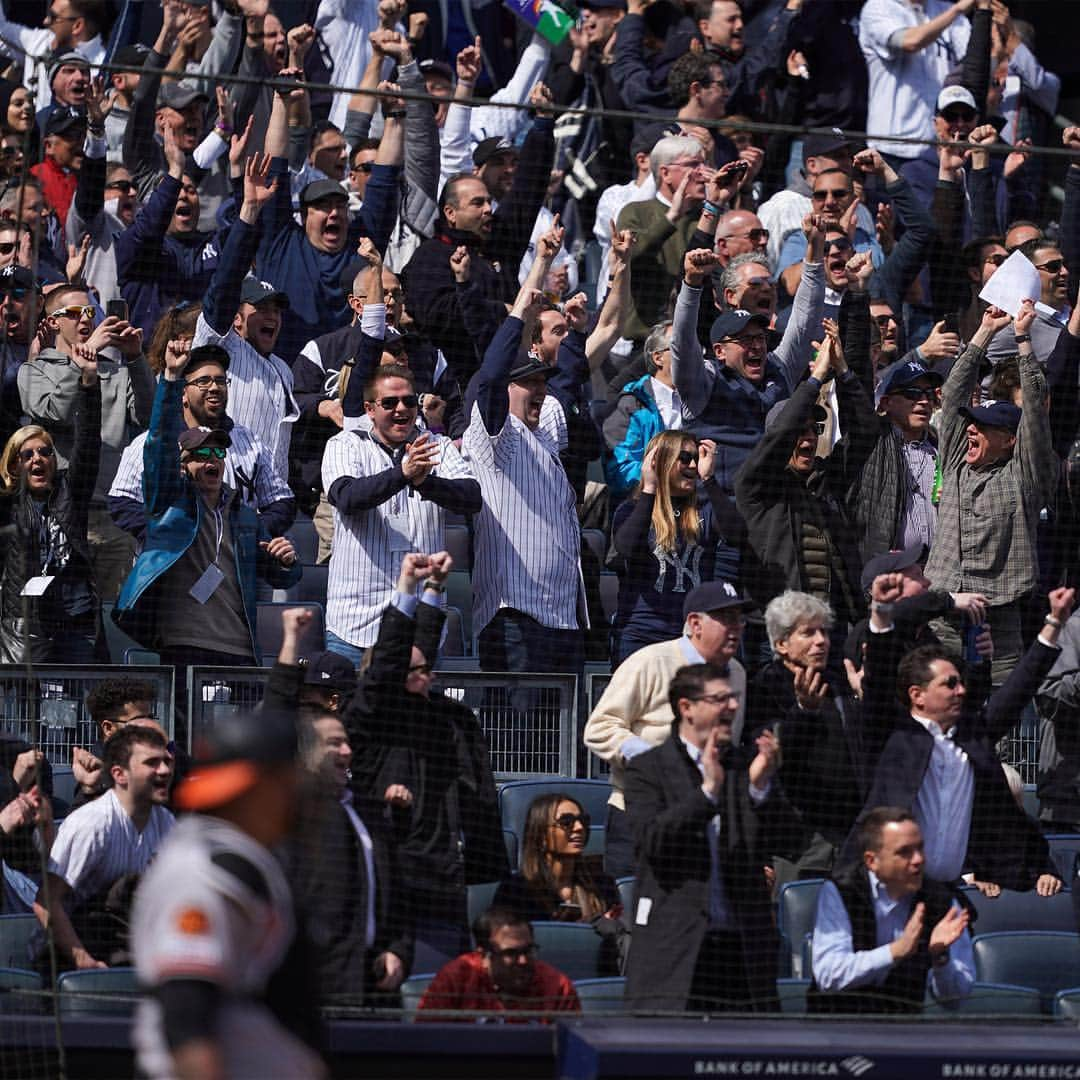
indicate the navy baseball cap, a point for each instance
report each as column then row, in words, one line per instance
column 437, row 67
column 174, row 95
column 194, row 437
column 817, row 414
column 202, row 355
column 730, row 323
column 254, row 291
column 892, row 562
column 67, row 122
column 322, row 189
column 328, row 671
column 999, row 414
column 714, row 596
column 488, row 148
column 825, row 145
column 648, row 135
column 17, row 277
column 530, row 367
column 904, row 373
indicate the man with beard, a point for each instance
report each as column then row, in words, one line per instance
column 249, row 468
column 244, row 316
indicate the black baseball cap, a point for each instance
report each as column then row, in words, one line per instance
column 817, row 414
column 648, row 135
column 67, row 122
column 825, row 145
column 193, row 438
column 322, row 189
column 904, row 373
column 892, row 562
column 254, row 291
column 17, row 277
column 328, row 671
column 530, row 367
column 437, row 67
column 174, row 95
column 486, row 149
column 714, row 596
column 131, row 55
column 206, row 354
column 729, row 323
column 230, row 757
column 999, row 414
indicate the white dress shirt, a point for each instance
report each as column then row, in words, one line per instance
column 838, row 966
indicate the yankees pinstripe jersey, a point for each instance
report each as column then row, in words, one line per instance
column 528, row 540
column 369, row 545
column 249, row 469
column 260, row 391
column 98, row 843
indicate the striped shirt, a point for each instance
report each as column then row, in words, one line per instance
column 368, row 547
column 260, row 391
column 249, row 469
column 528, row 540
column 920, row 514
column 98, row 843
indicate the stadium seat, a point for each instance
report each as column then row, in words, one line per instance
column 459, row 595
column 15, row 934
column 305, row 540
column 511, row 842
column 63, row 783
column 1040, row 959
column 609, row 594
column 1064, row 848
column 456, row 540
column 479, row 898
column 994, row 999
column 596, row 539
column 627, row 889
column 601, row 996
column 117, row 641
column 269, row 634
column 111, row 991
column 1031, row 802
column 141, row 657
column 454, row 643
column 792, row 995
column 1067, row 1004
column 516, row 797
column 310, row 589
column 16, row 979
column 797, row 905
column 1021, row 911
column 573, row 948
column 412, row 990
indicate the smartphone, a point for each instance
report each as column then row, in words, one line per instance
column 117, row 309
column 568, row 912
column 952, row 322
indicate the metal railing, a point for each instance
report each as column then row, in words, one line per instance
column 48, row 707
column 530, row 721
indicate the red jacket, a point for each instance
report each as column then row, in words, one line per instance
column 465, row 984
column 57, row 186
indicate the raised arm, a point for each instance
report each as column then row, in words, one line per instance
column 1034, row 439
column 804, row 326
column 609, row 324
column 691, row 376
column 162, row 482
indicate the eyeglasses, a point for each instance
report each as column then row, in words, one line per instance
column 16, row 292
column 362, row 166
column 566, row 822
column 836, row 193
column 140, row 716
column 685, row 164
column 952, row 682
column 755, row 236
column 420, row 669
column 7, row 247
column 205, row 453
column 686, row 457
column 10, row 151
column 1052, row 266
column 718, row 699
column 916, row 393
column 884, row 320
column 958, row 114
column 204, row 382
column 75, row 311
column 843, row 244
column 28, row 453
column 750, row 341
column 126, row 186
column 996, row 258
column 391, row 401
column 52, row 17
column 512, row 956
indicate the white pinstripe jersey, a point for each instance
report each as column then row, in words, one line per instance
column 368, row 547
column 260, row 391
column 528, row 540
column 98, row 843
column 249, row 469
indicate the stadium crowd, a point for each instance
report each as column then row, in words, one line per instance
column 363, row 274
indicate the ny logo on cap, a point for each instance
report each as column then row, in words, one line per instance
column 741, row 313
column 730, row 590
column 267, row 285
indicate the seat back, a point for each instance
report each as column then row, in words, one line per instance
column 1067, row 1003
column 1064, row 848
column 1021, row 911
column 573, row 948
column 1042, row 960
column 63, row 783
column 517, row 796
column 270, row 633
column 13, row 984
column 15, row 934
column 412, row 990
column 456, row 543
column 108, row 991
column 479, row 897
column 797, row 907
column 990, row 999
column 792, row 995
column 601, row 996
column 305, row 540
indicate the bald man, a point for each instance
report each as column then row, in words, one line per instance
column 739, row 231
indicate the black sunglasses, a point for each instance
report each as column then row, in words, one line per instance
column 842, row 244
column 836, row 193
column 125, row 186
column 363, row 166
column 1053, row 266
column 686, row 457
column 952, row 682
column 28, row 453
column 917, row 393
column 391, row 401
column 420, row 669
column 7, row 247
column 997, row 258
column 205, row 453
column 16, row 292
column 566, row 822
column 884, row 320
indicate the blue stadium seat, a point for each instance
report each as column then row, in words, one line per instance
column 516, row 797
column 454, row 642
column 269, row 634
column 107, row 991
column 63, row 783
column 1067, row 1003
column 573, row 948
column 797, row 905
column 117, row 641
column 1042, row 960
column 459, row 595
column 596, row 540
column 412, row 990
column 601, row 996
column 792, row 994
column 1064, row 848
column 479, row 898
column 143, row 658
column 310, row 589
column 456, row 540
column 609, row 594
column 15, row 934
column 627, row 889
column 990, row 999
column 1031, row 802
column 305, row 540
column 511, row 842
column 13, row 980
column 1021, row 911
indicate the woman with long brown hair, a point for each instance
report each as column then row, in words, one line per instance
column 665, row 538
column 556, row 881
column 49, row 610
